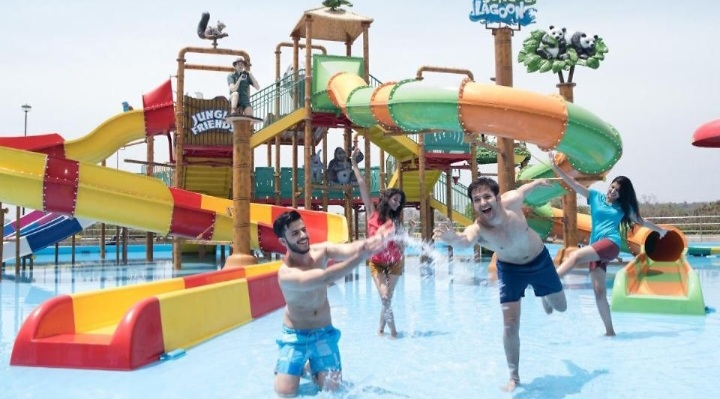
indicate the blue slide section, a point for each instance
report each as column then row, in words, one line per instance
column 28, row 222
column 38, row 231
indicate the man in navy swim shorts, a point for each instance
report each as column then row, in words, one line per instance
column 522, row 258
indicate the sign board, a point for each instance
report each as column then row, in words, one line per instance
column 505, row 12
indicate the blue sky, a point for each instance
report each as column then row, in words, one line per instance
column 76, row 61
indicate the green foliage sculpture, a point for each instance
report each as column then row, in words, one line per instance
column 545, row 51
column 335, row 4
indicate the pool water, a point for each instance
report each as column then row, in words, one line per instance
column 450, row 343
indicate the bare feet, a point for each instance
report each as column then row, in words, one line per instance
column 511, row 385
column 381, row 333
column 393, row 334
column 546, row 306
column 610, row 333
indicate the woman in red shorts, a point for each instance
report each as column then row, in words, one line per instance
column 386, row 265
column 608, row 211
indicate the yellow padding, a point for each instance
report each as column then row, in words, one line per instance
column 222, row 206
column 262, row 268
column 337, row 228
column 103, row 308
column 21, row 177
column 261, row 213
column 136, row 201
column 198, row 314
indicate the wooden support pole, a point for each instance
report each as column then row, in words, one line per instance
column 504, row 77
column 569, row 200
column 426, row 232
column 308, row 142
column 17, row 242
column 150, row 169
column 242, row 193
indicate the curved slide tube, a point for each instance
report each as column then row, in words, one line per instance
column 102, row 142
column 587, row 145
column 54, row 180
column 116, row 197
column 156, row 117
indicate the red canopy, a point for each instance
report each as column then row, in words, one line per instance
column 707, row 135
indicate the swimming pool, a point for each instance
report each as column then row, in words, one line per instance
column 450, row 342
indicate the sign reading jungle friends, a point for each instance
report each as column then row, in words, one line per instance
column 206, row 116
column 508, row 12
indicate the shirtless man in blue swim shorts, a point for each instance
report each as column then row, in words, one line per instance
column 522, row 258
column 308, row 335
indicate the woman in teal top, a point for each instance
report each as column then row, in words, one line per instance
column 608, row 211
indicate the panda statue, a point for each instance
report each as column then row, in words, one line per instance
column 553, row 45
column 583, row 44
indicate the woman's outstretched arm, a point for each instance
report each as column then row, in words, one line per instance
column 364, row 193
column 577, row 187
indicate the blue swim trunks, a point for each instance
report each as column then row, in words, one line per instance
column 539, row 272
column 319, row 345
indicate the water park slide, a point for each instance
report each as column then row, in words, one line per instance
column 107, row 195
column 56, row 183
column 94, row 147
column 124, row 328
column 156, row 117
column 587, row 146
column 113, row 329
column 703, row 250
column 658, row 280
column 27, row 220
column 43, row 231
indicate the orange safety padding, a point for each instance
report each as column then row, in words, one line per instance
column 666, row 249
column 341, row 85
column 513, row 113
column 379, row 105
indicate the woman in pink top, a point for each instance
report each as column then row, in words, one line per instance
column 386, row 265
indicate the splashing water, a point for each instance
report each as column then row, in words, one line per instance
column 430, row 258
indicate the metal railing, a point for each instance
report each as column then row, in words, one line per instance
column 460, row 201
column 700, row 227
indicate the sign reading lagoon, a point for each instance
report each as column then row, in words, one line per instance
column 507, row 12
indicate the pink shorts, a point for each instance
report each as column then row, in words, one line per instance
column 607, row 251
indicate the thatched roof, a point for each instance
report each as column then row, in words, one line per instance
column 338, row 25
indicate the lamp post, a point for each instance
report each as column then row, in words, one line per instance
column 26, row 108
